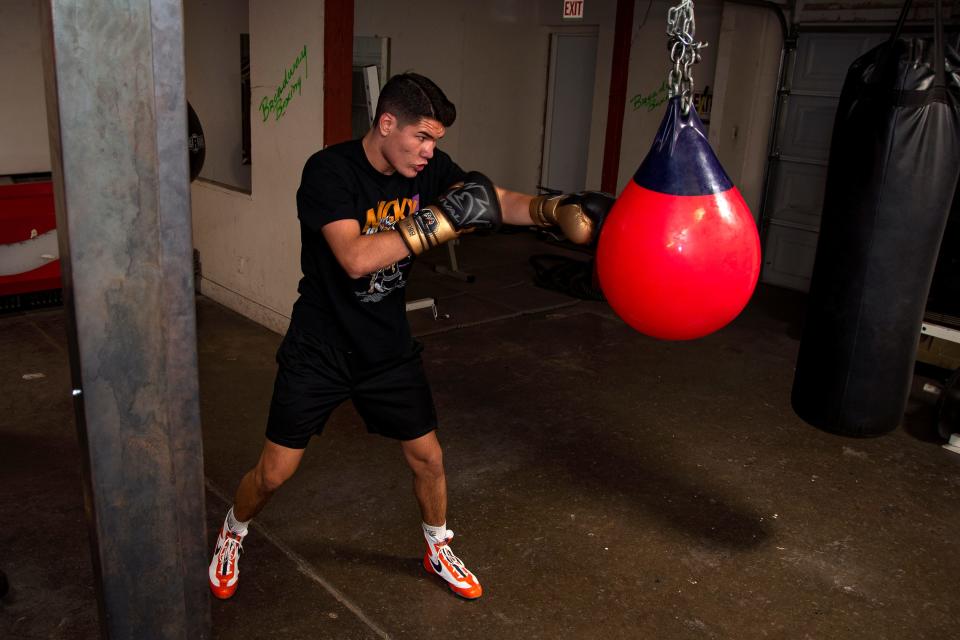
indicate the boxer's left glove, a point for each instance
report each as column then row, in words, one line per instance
column 579, row 215
column 469, row 205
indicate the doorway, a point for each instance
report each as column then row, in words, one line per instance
column 569, row 111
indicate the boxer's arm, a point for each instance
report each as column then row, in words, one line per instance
column 470, row 205
column 516, row 207
column 579, row 216
column 359, row 254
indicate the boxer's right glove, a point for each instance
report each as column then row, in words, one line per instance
column 467, row 206
column 579, row 215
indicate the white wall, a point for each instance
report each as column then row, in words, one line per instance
column 749, row 57
column 649, row 65
column 489, row 58
column 250, row 244
column 502, row 92
column 212, row 31
column 24, row 147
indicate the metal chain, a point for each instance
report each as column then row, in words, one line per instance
column 684, row 52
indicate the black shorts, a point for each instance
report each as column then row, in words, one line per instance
column 393, row 397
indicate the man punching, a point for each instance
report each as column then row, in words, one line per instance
column 367, row 208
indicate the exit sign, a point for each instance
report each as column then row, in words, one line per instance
column 572, row 9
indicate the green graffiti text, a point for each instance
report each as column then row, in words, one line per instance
column 652, row 100
column 278, row 103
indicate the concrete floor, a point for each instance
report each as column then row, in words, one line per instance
column 602, row 485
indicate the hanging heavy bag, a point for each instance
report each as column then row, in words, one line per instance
column 679, row 253
column 196, row 144
column 894, row 162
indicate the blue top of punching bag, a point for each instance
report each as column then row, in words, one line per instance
column 681, row 162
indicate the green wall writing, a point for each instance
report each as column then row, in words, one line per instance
column 652, row 100
column 277, row 103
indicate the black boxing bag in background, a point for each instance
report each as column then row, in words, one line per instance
column 894, row 163
column 196, row 145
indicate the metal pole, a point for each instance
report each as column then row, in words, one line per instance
column 116, row 108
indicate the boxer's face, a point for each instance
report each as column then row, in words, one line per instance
column 409, row 147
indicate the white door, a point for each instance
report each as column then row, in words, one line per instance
column 799, row 172
column 573, row 61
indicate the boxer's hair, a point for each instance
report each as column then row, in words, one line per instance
column 410, row 97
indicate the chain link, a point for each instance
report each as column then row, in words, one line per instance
column 684, row 52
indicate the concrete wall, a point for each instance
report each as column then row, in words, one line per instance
column 24, row 147
column 490, row 59
column 212, row 31
column 749, row 49
column 502, row 91
column 649, row 65
column 250, row 243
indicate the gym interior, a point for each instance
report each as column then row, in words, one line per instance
column 603, row 483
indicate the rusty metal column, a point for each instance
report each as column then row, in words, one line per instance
column 116, row 108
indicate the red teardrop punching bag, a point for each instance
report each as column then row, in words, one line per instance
column 679, row 254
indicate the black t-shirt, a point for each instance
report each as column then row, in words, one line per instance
column 367, row 315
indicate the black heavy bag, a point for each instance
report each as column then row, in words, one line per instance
column 894, row 163
column 196, row 144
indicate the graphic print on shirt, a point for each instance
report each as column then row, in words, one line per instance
column 384, row 218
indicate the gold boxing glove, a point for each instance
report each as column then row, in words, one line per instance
column 579, row 215
column 425, row 229
column 471, row 205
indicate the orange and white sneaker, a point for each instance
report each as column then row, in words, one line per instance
column 440, row 560
column 224, row 572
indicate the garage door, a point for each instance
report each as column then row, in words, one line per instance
column 802, row 146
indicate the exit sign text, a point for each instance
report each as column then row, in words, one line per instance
column 572, row 9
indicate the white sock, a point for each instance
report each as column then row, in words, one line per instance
column 435, row 534
column 234, row 525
